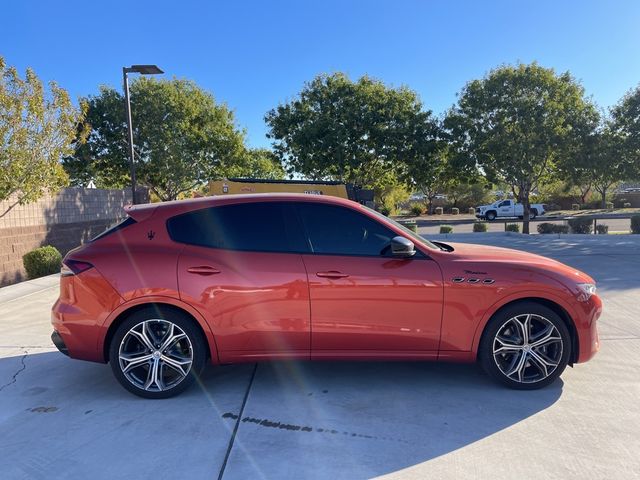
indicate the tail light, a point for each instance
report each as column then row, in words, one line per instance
column 74, row 267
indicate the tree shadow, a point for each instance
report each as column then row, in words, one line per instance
column 79, row 214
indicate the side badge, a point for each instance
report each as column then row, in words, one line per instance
column 151, row 234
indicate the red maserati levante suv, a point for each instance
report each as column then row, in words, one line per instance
column 282, row 276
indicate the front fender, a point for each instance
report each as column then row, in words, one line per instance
column 522, row 295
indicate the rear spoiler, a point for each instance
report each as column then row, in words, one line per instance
column 140, row 212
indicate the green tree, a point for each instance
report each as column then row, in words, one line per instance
column 518, row 122
column 625, row 122
column 467, row 192
column 182, row 138
column 36, row 129
column 390, row 192
column 429, row 174
column 355, row 132
column 257, row 163
column 601, row 162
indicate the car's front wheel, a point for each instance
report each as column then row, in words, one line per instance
column 157, row 353
column 525, row 346
column 491, row 216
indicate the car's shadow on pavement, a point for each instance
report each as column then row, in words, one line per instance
column 301, row 420
column 363, row 419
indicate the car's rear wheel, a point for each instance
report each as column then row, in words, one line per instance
column 525, row 346
column 533, row 214
column 157, row 353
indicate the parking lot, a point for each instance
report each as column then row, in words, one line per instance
column 61, row 418
column 431, row 227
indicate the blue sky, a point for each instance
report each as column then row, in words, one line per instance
column 254, row 55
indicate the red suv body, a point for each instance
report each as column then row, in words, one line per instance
column 282, row 276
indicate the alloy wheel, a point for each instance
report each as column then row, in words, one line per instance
column 527, row 348
column 155, row 355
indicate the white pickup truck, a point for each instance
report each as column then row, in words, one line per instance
column 507, row 208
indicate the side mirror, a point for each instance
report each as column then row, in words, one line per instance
column 402, row 247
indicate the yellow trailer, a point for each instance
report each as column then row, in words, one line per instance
column 251, row 185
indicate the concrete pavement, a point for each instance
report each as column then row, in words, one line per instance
column 61, row 418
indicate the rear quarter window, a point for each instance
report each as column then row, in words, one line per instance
column 114, row 228
column 260, row 227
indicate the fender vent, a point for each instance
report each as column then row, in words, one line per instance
column 486, row 281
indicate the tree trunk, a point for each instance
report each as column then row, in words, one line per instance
column 603, row 205
column 526, row 214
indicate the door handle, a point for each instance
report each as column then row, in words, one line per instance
column 203, row 270
column 332, row 274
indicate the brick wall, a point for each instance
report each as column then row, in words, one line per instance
column 64, row 220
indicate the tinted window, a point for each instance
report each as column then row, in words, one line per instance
column 262, row 227
column 506, row 203
column 341, row 231
column 114, row 228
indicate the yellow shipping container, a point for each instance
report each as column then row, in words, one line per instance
column 249, row 185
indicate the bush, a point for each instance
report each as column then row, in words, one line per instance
column 602, row 229
column 592, row 205
column 581, row 225
column 626, row 205
column 472, row 211
column 455, row 211
column 439, row 211
column 575, row 206
column 512, row 227
column 480, row 227
column 446, row 229
column 417, row 209
column 42, row 261
column 546, row 227
column 385, row 210
column 410, row 224
column 635, row 223
column 609, row 205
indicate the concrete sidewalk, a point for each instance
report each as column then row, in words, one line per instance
column 61, row 418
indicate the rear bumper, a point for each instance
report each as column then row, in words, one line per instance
column 59, row 343
column 79, row 313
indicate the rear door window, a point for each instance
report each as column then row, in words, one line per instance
column 259, row 227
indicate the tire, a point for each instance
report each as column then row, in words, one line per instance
column 491, row 216
column 503, row 346
column 178, row 363
column 533, row 214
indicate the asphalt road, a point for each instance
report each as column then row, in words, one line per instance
column 615, row 225
column 67, row 419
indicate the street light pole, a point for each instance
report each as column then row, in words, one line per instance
column 127, row 103
column 143, row 70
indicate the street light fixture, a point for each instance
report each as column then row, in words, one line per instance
column 142, row 70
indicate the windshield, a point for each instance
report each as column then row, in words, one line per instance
column 410, row 233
